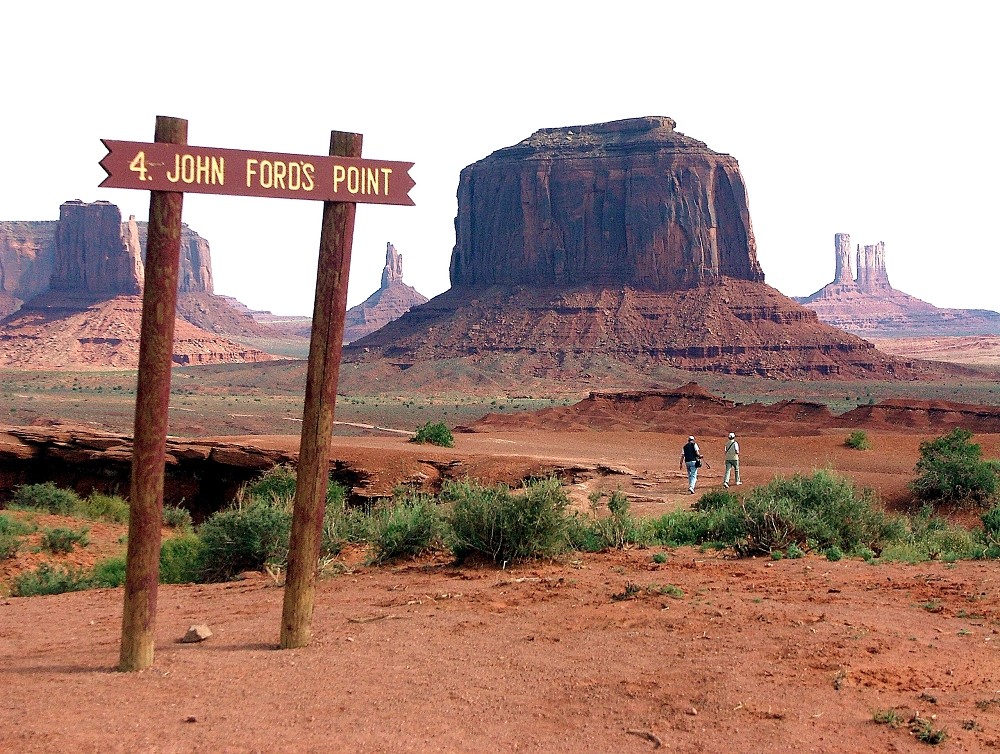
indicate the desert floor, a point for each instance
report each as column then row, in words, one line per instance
column 609, row 652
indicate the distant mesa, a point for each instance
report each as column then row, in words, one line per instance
column 70, row 292
column 626, row 241
column 704, row 414
column 391, row 301
column 869, row 306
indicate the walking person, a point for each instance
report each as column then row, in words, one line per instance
column 691, row 459
column 732, row 459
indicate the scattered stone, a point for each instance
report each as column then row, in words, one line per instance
column 197, row 632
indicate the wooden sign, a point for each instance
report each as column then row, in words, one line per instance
column 206, row 170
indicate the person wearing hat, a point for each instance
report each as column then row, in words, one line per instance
column 691, row 458
column 732, row 459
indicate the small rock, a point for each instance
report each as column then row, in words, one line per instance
column 197, row 632
column 190, row 719
column 691, row 711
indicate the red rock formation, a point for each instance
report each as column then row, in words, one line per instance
column 27, row 252
column 631, row 202
column 94, row 258
column 869, row 306
column 94, row 253
column 624, row 241
column 196, row 260
column 103, row 334
column 391, row 301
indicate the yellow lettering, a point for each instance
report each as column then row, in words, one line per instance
column 177, row 170
column 187, row 168
column 339, row 175
column 138, row 165
column 201, row 170
column 353, row 179
column 251, row 170
column 371, row 181
column 307, row 173
column 266, row 174
column 219, row 170
column 279, row 174
column 386, row 172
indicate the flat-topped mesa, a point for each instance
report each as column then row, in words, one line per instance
column 95, row 253
column 627, row 203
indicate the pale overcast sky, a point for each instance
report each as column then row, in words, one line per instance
column 869, row 118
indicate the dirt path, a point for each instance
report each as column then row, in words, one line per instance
column 789, row 655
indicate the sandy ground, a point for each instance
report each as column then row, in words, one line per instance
column 596, row 653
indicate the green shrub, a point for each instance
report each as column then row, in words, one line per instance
column 12, row 532
column 858, row 441
column 409, row 527
column 100, row 507
column 181, row 559
column 506, row 526
column 9, row 545
column 61, row 541
column 951, row 469
column 108, row 573
column 245, row 538
column 788, row 516
column 274, row 486
column 46, row 497
column 178, row 518
column 991, row 526
column 435, row 433
column 618, row 529
column 47, row 579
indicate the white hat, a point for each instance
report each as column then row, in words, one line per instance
column 691, row 438
column 732, row 435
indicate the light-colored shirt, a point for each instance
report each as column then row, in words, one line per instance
column 732, row 450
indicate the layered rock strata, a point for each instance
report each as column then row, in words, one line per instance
column 391, row 301
column 868, row 305
column 623, row 240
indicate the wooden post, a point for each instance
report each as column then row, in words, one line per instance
column 325, row 347
column 152, row 405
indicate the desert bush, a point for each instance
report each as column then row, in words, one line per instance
column 178, row 518
column 9, row 545
column 181, row 559
column 788, row 516
column 951, row 469
column 244, row 538
column 434, row 433
column 46, row 497
column 274, row 486
column 100, row 507
column 931, row 537
column 991, row 526
column 61, row 541
column 506, row 526
column 12, row 533
column 823, row 510
column 409, row 527
column 858, row 441
column 47, row 579
column 619, row 528
column 107, row 574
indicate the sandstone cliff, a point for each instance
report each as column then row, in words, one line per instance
column 869, row 306
column 100, row 256
column 392, row 300
column 86, row 312
column 623, row 241
column 632, row 202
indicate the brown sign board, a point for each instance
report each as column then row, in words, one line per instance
column 207, row 170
